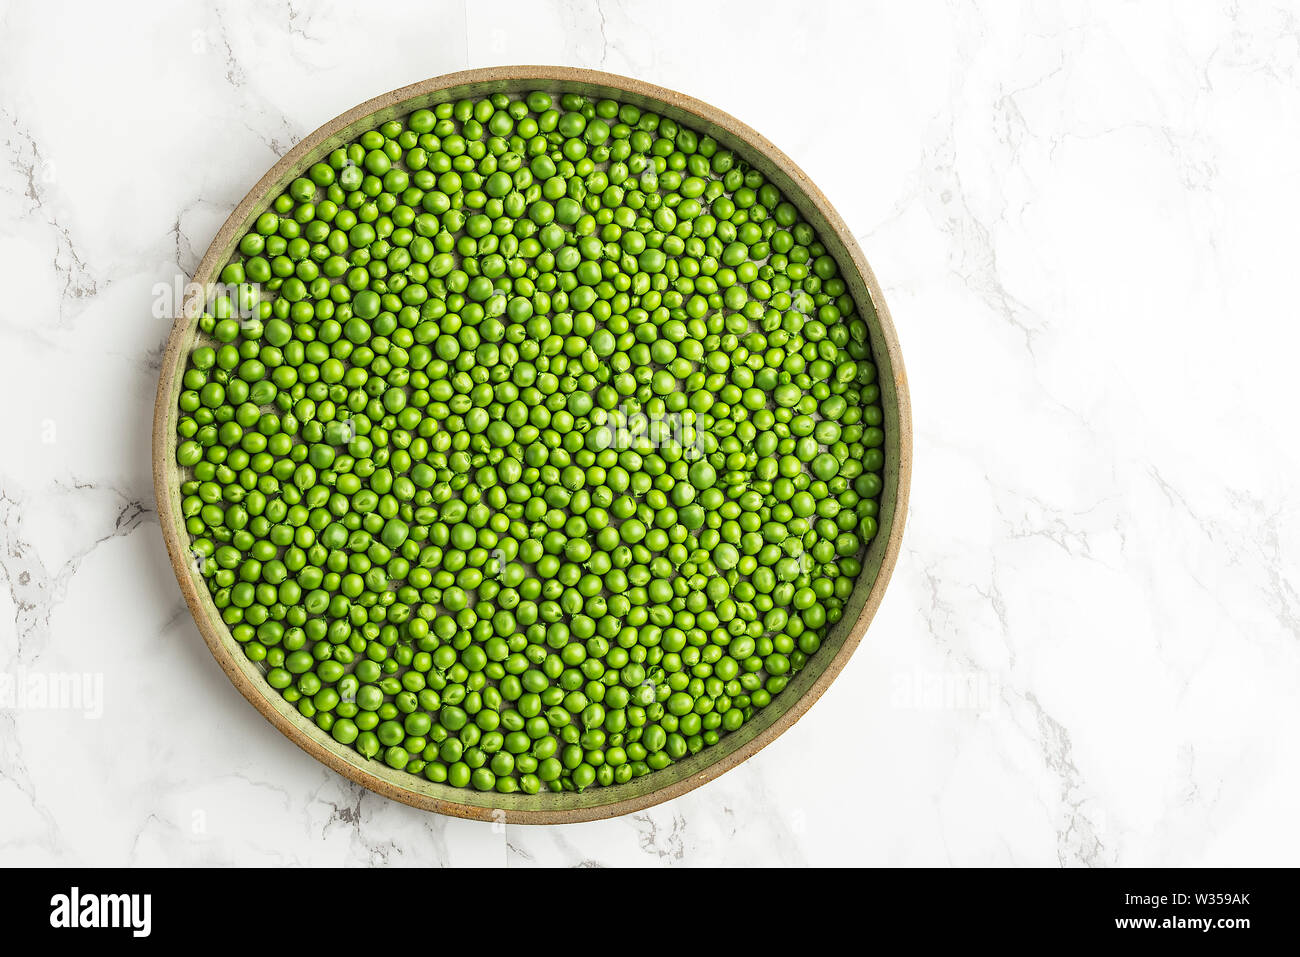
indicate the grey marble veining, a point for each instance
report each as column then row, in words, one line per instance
column 1084, row 223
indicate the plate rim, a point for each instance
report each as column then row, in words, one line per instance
column 167, row 496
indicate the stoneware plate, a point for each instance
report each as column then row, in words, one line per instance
column 787, row 707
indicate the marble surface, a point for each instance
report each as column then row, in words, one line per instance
column 1082, row 217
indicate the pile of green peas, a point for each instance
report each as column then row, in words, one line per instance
column 530, row 443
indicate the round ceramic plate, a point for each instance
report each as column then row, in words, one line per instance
column 806, row 686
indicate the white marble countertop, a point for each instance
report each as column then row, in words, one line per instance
column 1084, row 220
